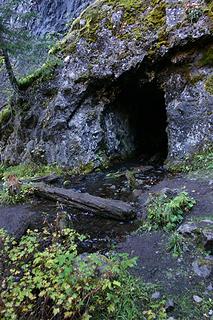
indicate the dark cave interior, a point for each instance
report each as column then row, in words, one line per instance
column 144, row 105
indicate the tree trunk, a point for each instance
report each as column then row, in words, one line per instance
column 8, row 65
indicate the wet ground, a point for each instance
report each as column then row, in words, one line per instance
column 133, row 182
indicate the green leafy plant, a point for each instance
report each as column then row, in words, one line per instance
column 197, row 162
column 194, row 11
column 6, row 198
column 46, row 278
column 167, row 212
column 176, row 244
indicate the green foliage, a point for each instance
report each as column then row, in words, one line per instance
column 199, row 161
column 45, row 278
column 207, row 58
column 194, row 11
column 15, row 36
column 190, row 310
column 26, row 171
column 166, row 212
column 176, row 244
column 6, row 198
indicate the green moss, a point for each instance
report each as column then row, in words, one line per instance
column 190, row 77
column 197, row 162
column 138, row 16
column 5, row 115
column 44, row 73
column 209, row 9
column 209, row 85
column 207, row 58
column 156, row 17
column 26, row 171
column 83, row 168
column 195, row 78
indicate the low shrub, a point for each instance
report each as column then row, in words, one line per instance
column 167, row 212
column 197, row 162
column 7, row 199
column 44, row 277
column 176, row 244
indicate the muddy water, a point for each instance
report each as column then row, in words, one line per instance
column 117, row 183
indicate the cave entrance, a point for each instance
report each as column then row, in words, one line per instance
column 144, row 107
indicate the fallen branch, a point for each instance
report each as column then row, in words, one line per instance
column 107, row 208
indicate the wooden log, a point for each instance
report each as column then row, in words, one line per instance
column 107, row 208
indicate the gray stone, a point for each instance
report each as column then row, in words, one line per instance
column 210, row 312
column 197, row 299
column 50, row 17
column 201, row 230
column 156, row 295
column 202, row 268
column 169, row 305
column 208, row 239
column 187, row 228
column 210, row 287
column 16, row 219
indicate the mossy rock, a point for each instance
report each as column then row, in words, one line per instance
column 207, row 58
column 5, row 115
column 209, row 85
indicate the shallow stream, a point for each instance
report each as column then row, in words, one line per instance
column 121, row 182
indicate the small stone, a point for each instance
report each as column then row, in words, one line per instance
column 187, row 228
column 210, row 312
column 156, row 295
column 197, row 299
column 210, row 287
column 137, row 193
column 169, row 305
column 112, row 187
column 171, row 318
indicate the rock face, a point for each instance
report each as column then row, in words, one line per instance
column 51, row 17
column 134, row 77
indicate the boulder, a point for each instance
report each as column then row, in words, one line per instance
column 203, row 268
column 201, row 230
column 16, row 219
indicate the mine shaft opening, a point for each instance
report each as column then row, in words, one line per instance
column 144, row 106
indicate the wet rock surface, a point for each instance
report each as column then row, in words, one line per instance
column 16, row 219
